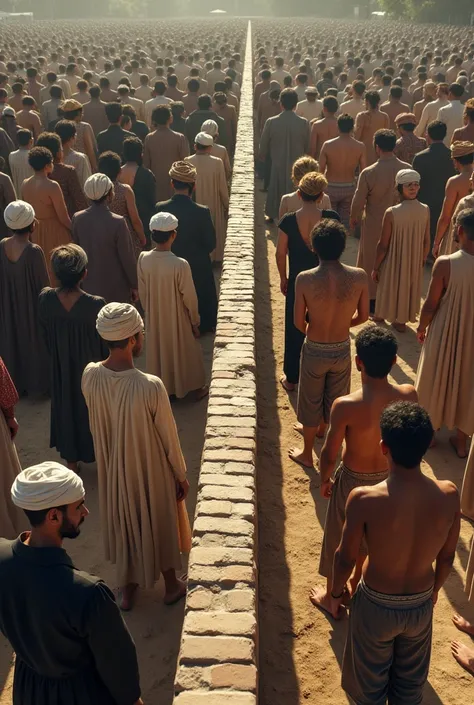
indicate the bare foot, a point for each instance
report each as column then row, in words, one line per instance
column 463, row 625
column 319, row 598
column 376, row 319
column 172, row 598
column 298, row 427
column 321, row 432
column 201, row 393
column 459, row 447
column 287, row 386
column 463, row 655
column 127, row 596
column 299, row 457
column 400, row 327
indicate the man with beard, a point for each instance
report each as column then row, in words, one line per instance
column 82, row 650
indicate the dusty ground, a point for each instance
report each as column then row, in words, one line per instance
column 155, row 628
column 300, row 649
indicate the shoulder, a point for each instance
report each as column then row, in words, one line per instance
column 161, row 205
column 357, row 272
column 91, row 370
column 449, row 489
column 45, row 294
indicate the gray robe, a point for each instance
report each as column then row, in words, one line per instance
column 285, row 138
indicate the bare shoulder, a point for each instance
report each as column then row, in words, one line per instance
column 343, row 405
column 359, row 497
column 449, row 489
column 407, row 391
column 357, row 273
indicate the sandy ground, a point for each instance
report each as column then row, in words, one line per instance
column 155, row 628
column 300, row 648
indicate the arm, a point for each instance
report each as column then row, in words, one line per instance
column 359, row 126
column 188, row 292
column 323, row 159
column 59, row 205
column 141, row 280
column 445, row 558
column 8, row 399
column 227, row 167
column 332, row 446
column 348, row 550
column 313, row 140
column 363, row 158
column 438, row 285
column 363, row 307
column 420, row 129
column 265, row 142
column 125, row 253
column 90, row 147
column 36, row 125
column 359, row 201
column 8, row 190
column 299, row 311
column 447, row 211
column 283, row 206
column 184, row 148
column 383, row 243
column 166, row 427
column 281, row 255
column 133, row 214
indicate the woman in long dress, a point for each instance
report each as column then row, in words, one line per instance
column 53, row 223
column 140, row 179
column 124, row 202
column 401, row 254
column 12, row 519
column 67, row 317
column 294, row 244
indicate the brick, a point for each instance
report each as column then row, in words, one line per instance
column 228, row 576
column 244, row 510
column 231, row 410
column 204, row 622
column 235, row 676
column 229, row 455
column 214, row 443
column 234, row 494
column 216, row 649
column 192, row 678
column 226, row 480
column 223, row 697
column 237, row 600
column 221, row 556
column 200, row 599
column 214, row 508
column 204, row 525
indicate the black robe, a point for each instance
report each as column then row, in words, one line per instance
column 196, row 239
column 72, row 646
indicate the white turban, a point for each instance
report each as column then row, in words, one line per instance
column 97, row 186
column 407, row 176
column 118, row 321
column 166, row 222
column 18, row 215
column 204, row 139
column 210, row 127
column 46, row 485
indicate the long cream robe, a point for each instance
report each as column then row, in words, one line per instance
column 469, row 589
column 444, row 380
column 139, row 459
column 167, row 293
column 219, row 151
column 12, row 520
column 212, row 191
column 467, row 492
column 401, row 273
column 449, row 245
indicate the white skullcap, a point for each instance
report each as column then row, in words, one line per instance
column 407, row 176
column 118, row 321
column 46, row 485
column 210, row 127
column 166, row 222
column 97, row 186
column 18, row 215
column 204, row 139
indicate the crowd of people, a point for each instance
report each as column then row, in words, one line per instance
column 375, row 130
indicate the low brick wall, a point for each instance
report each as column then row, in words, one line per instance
column 218, row 657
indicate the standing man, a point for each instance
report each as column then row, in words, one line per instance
column 452, row 114
column 285, row 137
column 324, row 129
column 430, row 111
column 311, row 108
column 334, row 298
column 94, row 111
column 466, row 133
column 409, row 523
column 143, row 515
column 339, row 160
column 355, row 104
column 112, row 139
column 369, row 122
column 18, row 160
column 394, row 106
column 408, row 144
column 204, row 112
column 82, row 651
column 162, row 148
column 158, row 98
column 355, row 420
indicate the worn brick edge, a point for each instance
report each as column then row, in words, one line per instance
column 217, row 663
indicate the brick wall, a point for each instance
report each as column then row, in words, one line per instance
column 218, row 658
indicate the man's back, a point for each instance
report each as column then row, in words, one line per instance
column 112, row 139
column 435, row 167
column 94, row 114
column 196, row 237
column 322, row 131
column 342, row 156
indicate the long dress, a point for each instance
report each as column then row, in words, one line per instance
column 49, row 233
column 7, row 195
column 12, row 519
column 444, row 380
column 21, row 344
column 300, row 258
column 467, row 492
column 449, row 244
column 167, row 293
column 212, row 191
column 139, row 460
column 144, row 188
column 401, row 273
column 119, row 206
column 73, row 342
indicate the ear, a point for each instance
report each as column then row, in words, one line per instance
column 54, row 516
column 384, row 449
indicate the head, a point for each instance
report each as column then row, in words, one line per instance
column 25, row 138
column 159, row 88
column 406, row 434
column 133, row 150
column 462, row 154
column 303, row 165
column 396, row 93
column 358, row 89
column 465, row 228
column 288, row 99
column 345, row 124
column 204, row 102
column 330, row 106
column 408, row 184
column 469, row 111
column 19, row 218
column 113, row 112
column 376, row 352
column 329, row 240
column 437, row 131
column 311, row 187
column 161, row 116
column 456, row 91
column 384, row 142
column 41, row 159
column 163, row 227
column 183, row 177
column 28, row 103
column 69, row 263
column 66, row 130
column 110, row 165
column 121, row 327
column 372, row 100
column 442, row 91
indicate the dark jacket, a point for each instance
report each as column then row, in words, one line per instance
column 112, row 139
column 435, row 167
column 194, row 123
column 140, row 129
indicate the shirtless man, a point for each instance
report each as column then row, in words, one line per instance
column 409, row 522
column 336, row 298
column 28, row 118
column 394, row 106
column 355, row 419
column 324, row 129
column 339, row 160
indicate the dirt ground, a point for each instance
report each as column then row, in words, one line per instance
column 155, row 628
column 300, row 648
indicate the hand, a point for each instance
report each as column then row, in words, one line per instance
column 375, row 275
column 284, row 286
column 326, row 488
column 134, row 295
column 183, row 490
column 435, row 250
column 196, row 331
column 421, row 335
column 12, row 424
column 143, row 242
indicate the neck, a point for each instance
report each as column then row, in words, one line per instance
column 178, row 192
column 467, row 168
column 329, row 264
column 37, row 539
column 405, row 474
column 374, row 382
column 119, row 360
column 76, row 289
column 163, row 247
column 386, row 155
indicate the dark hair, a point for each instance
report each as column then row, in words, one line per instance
column 345, row 123
column 66, row 129
column 113, row 112
column 69, row 262
column 385, row 140
column 182, row 185
column 72, row 114
column 331, row 104
column 457, row 90
column 396, row 92
column 266, row 75
column 329, row 239
column 56, row 92
column 160, row 236
column 193, row 85
column 28, row 100
column 204, row 102
column 373, row 98
column 466, row 220
column 289, row 98
column 132, row 150
column 172, row 80
column 358, row 87
column 407, row 432
column 160, row 87
column 109, row 164
column 24, row 137
column 50, row 141
column 82, row 85
column 161, row 115
column 407, row 126
column 38, row 516
column 94, row 92
column 377, row 348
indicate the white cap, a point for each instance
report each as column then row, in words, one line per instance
column 166, row 222
column 407, row 176
column 18, row 215
column 8, row 110
column 46, row 485
column 210, row 127
column 204, row 139
column 97, row 186
column 117, row 321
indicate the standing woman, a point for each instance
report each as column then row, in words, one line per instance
column 67, row 317
column 12, row 519
column 294, row 243
column 124, row 199
column 140, row 179
column 401, row 255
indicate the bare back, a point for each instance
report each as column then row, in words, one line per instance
column 39, row 193
column 322, row 131
column 343, row 156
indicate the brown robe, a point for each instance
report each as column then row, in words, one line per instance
column 162, row 148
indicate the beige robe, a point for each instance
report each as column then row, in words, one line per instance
column 218, row 150
column 467, row 492
column 212, row 191
column 12, row 520
column 469, row 589
column 449, row 245
column 444, row 380
column 401, row 273
column 374, row 194
column 161, row 149
column 139, row 460
column 167, row 294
